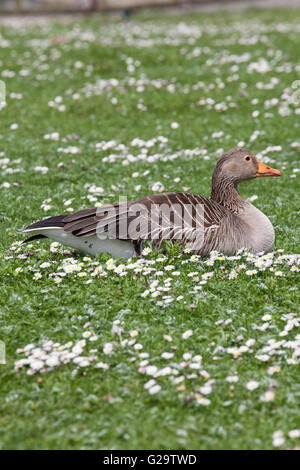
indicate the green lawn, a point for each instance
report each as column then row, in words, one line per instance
column 234, row 381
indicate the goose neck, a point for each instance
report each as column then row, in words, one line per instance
column 225, row 192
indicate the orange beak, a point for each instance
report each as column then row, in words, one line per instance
column 264, row 170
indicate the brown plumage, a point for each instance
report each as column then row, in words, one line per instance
column 223, row 222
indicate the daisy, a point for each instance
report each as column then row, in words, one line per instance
column 267, row 317
column 206, row 389
column 86, row 334
column 151, row 370
column 154, row 389
column 101, row 365
column 168, row 337
column 294, row 433
column 232, row 378
column 268, row 396
column 36, row 365
column 187, row 334
column 45, row 265
column 133, row 333
column 207, row 276
column 197, row 359
column 52, row 361
column 108, row 348
column 155, row 294
column 84, row 363
column 273, row 370
column 252, row 385
column 203, row 401
column 164, row 371
column 167, row 355
column 187, row 356
column 278, row 439
column 169, row 267
column 263, row 357
column 233, row 275
column 150, row 383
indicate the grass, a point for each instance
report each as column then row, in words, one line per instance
column 81, row 407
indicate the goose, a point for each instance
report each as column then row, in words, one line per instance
column 223, row 222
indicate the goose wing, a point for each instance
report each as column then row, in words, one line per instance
column 190, row 218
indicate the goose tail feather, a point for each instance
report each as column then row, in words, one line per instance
column 50, row 222
column 34, row 237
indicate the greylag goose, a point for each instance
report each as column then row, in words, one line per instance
column 224, row 222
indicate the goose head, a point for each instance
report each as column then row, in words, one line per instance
column 239, row 165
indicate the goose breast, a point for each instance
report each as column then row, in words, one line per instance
column 259, row 230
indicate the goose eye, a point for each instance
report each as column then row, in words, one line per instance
column 247, row 158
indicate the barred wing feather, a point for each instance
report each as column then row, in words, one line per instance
column 190, row 218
